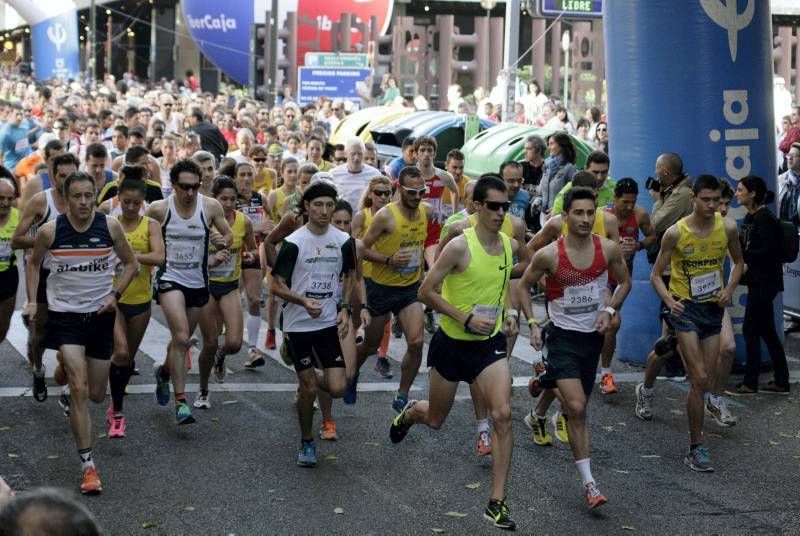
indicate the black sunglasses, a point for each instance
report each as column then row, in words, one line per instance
column 382, row 193
column 186, row 187
column 494, row 206
column 259, row 160
column 341, row 159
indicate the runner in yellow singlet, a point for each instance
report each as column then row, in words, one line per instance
column 144, row 236
column 9, row 274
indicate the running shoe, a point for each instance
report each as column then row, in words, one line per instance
column 202, row 401
column 307, row 457
column 741, row 389
column 134, row 369
column 484, row 447
column 397, row 331
column 256, row 358
column 560, row 424
column 497, row 512
column 540, row 434
column 91, row 482
column 384, row 368
column 39, row 385
column 607, row 385
column 64, row 402
column 162, row 386
column 351, row 395
column 399, row 428
column 720, row 413
column 270, row 342
column 327, row 431
column 774, row 389
column 117, row 428
column 219, row 367
column 399, row 402
column 698, row 459
column 644, row 404
column 430, row 321
column 183, row 415
column 593, row 496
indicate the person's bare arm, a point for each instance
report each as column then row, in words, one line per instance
column 249, row 247
column 216, row 217
column 32, row 212
column 105, row 207
column 611, row 224
column 523, row 256
column 550, row 232
column 455, row 229
column 157, row 254
column 358, row 222
column 43, row 241
column 451, row 184
column 646, row 227
column 381, row 222
column 735, row 250
column 541, row 264
column 668, row 242
column 157, row 210
column 617, row 266
column 126, row 257
column 32, row 187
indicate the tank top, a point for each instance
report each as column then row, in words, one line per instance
column 253, row 210
column 166, row 185
column 480, row 289
column 697, row 262
column 575, row 295
column 433, row 197
column 598, row 227
column 186, row 243
column 81, row 266
column 280, row 197
column 115, row 209
column 231, row 270
column 140, row 289
column 507, row 228
column 7, row 257
column 408, row 235
column 366, row 266
column 52, row 211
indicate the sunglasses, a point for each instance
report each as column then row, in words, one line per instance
column 341, row 159
column 415, row 191
column 494, row 206
column 602, row 130
column 167, row 104
column 187, row 187
column 382, row 193
column 259, row 160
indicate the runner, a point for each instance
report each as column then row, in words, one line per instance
column 136, row 156
column 436, row 182
column 695, row 301
column 42, row 208
column 306, row 273
column 394, row 244
column 252, row 204
column 186, row 218
column 577, row 267
column 79, row 249
column 377, row 196
column 631, row 219
column 469, row 346
column 9, row 274
column 133, row 308
column 225, row 267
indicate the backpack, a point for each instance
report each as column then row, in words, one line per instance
column 790, row 242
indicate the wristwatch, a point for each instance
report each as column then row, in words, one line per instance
column 610, row 310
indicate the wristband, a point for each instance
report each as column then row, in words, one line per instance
column 532, row 321
column 117, row 295
column 513, row 313
column 347, row 307
column 466, row 322
column 387, row 260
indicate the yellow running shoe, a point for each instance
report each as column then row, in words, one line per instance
column 541, row 436
column 560, row 424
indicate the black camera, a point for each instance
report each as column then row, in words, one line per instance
column 652, row 184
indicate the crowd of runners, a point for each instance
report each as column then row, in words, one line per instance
column 221, row 210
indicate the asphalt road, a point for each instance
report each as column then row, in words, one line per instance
column 234, row 472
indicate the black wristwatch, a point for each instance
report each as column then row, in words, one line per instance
column 117, row 295
column 347, row 307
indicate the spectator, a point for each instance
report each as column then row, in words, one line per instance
column 593, row 117
column 391, row 92
column 534, row 101
column 408, row 157
column 14, row 138
column 337, row 109
column 673, row 198
column 789, row 187
column 597, row 163
column 353, row 176
column 211, row 139
column 244, row 144
column 793, row 135
column 560, row 168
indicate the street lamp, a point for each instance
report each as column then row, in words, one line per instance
column 488, row 5
column 565, row 47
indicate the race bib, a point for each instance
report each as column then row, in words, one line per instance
column 487, row 311
column 5, row 251
column 183, row 256
column 21, row 145
column 581, row 300
column 321, row 285
column 705, row 286
column 413, row 262
column 223, row 269
column 256, row 215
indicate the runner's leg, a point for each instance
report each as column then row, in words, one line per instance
column 491, row 383
column 411, row 320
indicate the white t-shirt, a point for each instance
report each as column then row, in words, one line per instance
column 352, row 185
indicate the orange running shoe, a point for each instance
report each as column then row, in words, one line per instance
column 270, row 344
column 593, row 496
column 327, row 431
column 607, row 385
column 91, row 482
column 484, row 447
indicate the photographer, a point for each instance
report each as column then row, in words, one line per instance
column 671, row 192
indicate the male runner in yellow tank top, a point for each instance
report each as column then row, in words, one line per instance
column 696, row 299
column 394, row 244
column 470, row 344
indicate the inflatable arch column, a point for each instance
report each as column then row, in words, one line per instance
column 693, row 78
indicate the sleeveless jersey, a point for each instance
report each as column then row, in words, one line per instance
column 507, row 228
column 7, row 257
column 254, row 210
column 481, row 289
column 51, row 212
column 186, row 242
column 280, row 197
column 81, row 266
column 575, row 295
column 628, row 233
column 231, row 270
column 408, row 235
column 366, row 266
column 140, row 289
column 433, row 196
column 697, row 262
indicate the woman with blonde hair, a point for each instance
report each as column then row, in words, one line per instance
column 377, row 195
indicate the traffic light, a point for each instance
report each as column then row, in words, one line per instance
column 258, row 75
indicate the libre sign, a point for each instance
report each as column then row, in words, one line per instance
column 572, row 8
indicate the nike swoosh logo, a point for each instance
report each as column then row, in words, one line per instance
column 504, row 267
column 499, row 352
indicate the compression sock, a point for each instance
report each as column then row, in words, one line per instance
column 253, row 324
column 118, row 377
column 585, row 470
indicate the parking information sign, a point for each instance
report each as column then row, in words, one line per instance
column 336, row 59
column 340, row 83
